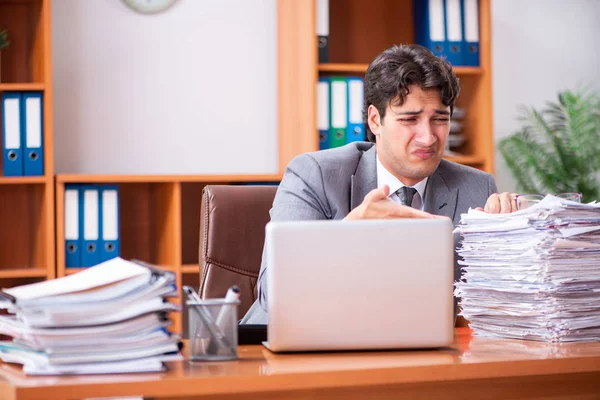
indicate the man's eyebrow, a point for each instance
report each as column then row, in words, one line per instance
column 417, row 112
column 408, row 112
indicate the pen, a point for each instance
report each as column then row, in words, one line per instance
column 233, row 295
column 224, row 316
column 207, row 320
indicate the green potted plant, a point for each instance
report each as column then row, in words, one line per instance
column 557, row 150
column 3, row 45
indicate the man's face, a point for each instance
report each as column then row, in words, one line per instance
column 411, row 137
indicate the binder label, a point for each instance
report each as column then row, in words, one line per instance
column 471, row 21
column 110, row 230
column 34, row 123
column 453, row 19
column 436, row 21
column 323, row 105
column 338, row 113
column 13, row 124
column 71, row 215
column 90, row 215
column 356, row 101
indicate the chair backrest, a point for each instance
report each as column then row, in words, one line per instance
column 232, row 236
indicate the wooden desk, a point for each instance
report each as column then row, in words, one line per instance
column 472, row 368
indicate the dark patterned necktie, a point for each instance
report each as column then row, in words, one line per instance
column 406, row 194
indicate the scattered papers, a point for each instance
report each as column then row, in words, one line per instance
column 111, row 318
column 532, row 274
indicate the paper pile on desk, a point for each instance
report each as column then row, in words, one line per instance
column 110, row 318
column 532, row 274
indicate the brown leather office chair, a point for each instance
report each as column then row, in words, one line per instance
column 232, row 235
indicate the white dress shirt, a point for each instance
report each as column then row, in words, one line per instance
column 384, row 177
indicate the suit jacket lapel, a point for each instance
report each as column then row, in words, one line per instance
column 364, row 179
column 439, row 198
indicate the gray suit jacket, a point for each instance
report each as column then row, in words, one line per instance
column 329, row 184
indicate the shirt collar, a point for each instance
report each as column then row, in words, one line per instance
column 385, row 177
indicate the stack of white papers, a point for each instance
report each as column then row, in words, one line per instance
column 110, row 318
column 532, row 274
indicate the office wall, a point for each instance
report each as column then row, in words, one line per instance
column 539, row 47
column 189, row 91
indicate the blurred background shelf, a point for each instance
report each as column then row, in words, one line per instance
column 94, row 178
column 362, row 68
column 24, row 273
column 190, row 269
column 25, row 180
column 22, row 87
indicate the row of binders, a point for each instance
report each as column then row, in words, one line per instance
column 22, row 134
column 339, row 111
column 91, row 224
column 448, row 28
column 111, row 318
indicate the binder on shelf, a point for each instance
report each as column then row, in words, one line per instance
column 430, row 25
column 12, row 146
column 323, row 112
column 109, row 223
column 338, row 97
column 454, row 32
column 89, row 225
column 32, row 128
column 470, row 9
column 356, row 127
column 323, row 30
column 72, row 242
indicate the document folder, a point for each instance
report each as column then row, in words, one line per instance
column 339, row 111
column 323, row 112
column 454, row 32
column 323, row 30
column 471, row 32
column 356, row 127
column 12, row 147
column 430, row 26
column 31, row 107
column 89, row 225
column 72, row 248
column 109, row 222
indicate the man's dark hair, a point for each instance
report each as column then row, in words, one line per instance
column 393, row 71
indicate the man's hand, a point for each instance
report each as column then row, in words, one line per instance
column 377, row 205
column 502, row 203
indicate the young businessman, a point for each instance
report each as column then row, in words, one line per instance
column 409, row 99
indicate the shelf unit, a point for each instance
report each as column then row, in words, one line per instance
column 159, row 220
column 160, row 214
column 351, row 50
column 27, row 245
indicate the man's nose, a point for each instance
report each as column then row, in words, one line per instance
column 425, row 135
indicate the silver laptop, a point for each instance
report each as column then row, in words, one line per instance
column 360, row 285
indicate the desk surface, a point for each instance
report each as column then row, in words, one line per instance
column 472, row 365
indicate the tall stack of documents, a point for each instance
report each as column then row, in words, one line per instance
column 532, row 274
column 111, row 318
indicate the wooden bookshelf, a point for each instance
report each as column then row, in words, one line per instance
column 159, row 220
column 160, row 214
column 351, row 50
column 27, row 245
